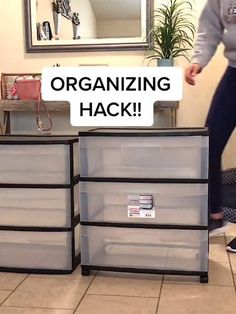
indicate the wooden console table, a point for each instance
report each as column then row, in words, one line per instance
column 8, row 106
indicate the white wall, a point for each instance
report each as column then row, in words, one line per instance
column 193, row 107
column 88, row 23
column 118, row 28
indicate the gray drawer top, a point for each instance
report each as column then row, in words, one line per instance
column 37, row 139
column 144, row 132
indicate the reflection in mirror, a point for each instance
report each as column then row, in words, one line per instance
column 86, row 24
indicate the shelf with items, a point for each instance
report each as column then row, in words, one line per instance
column 9, row 105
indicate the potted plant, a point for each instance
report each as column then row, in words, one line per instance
column 172, row 32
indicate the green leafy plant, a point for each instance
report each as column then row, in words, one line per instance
column 172, row 32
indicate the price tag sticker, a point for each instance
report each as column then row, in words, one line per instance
column 141, row 206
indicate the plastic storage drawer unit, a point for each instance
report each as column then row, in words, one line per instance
column 143, row 198
column 39, row 196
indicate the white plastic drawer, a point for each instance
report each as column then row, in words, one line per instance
column 37, row 207
column 37, row 164
column 144, row 157
column 185, row 250
column 37, row 250
column 180, row 204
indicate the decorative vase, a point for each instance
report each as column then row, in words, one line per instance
column 75, row 31
column 57, row 21
column 165, row 62
column 75, row 24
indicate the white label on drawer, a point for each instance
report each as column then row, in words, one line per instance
column 141, row 206
column 137, row 212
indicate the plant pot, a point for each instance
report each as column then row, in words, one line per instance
column 165, row 62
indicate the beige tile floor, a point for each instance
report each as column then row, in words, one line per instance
column 120, row 293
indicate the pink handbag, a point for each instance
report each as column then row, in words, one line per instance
column 28, row 89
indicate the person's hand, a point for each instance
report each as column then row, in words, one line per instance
column 191, row 72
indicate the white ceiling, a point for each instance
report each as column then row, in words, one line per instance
column 116, row 9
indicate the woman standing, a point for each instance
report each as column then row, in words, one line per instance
column 217, row 24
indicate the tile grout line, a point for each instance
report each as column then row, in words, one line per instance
column 120, row 295
column 5, row 290
column 197, row 284
column 234, row 281
column 115, row 295
column 159, row 298
column 12, row 291
column 84, row 293
column 230, row 265
column 35, row 307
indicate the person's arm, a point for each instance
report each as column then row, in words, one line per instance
column 210, row 31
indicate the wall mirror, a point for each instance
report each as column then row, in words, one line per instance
column 87, row 25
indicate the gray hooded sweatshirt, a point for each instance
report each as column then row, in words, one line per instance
column 217, row 24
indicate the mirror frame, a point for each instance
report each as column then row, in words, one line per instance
column 31, row 47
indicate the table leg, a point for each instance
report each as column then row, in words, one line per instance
column 6, row 123
column 173, row 117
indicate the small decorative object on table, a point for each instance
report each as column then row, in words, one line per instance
column 57, row 10
column 75, row 24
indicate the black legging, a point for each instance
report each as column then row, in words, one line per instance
column 221, row 121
